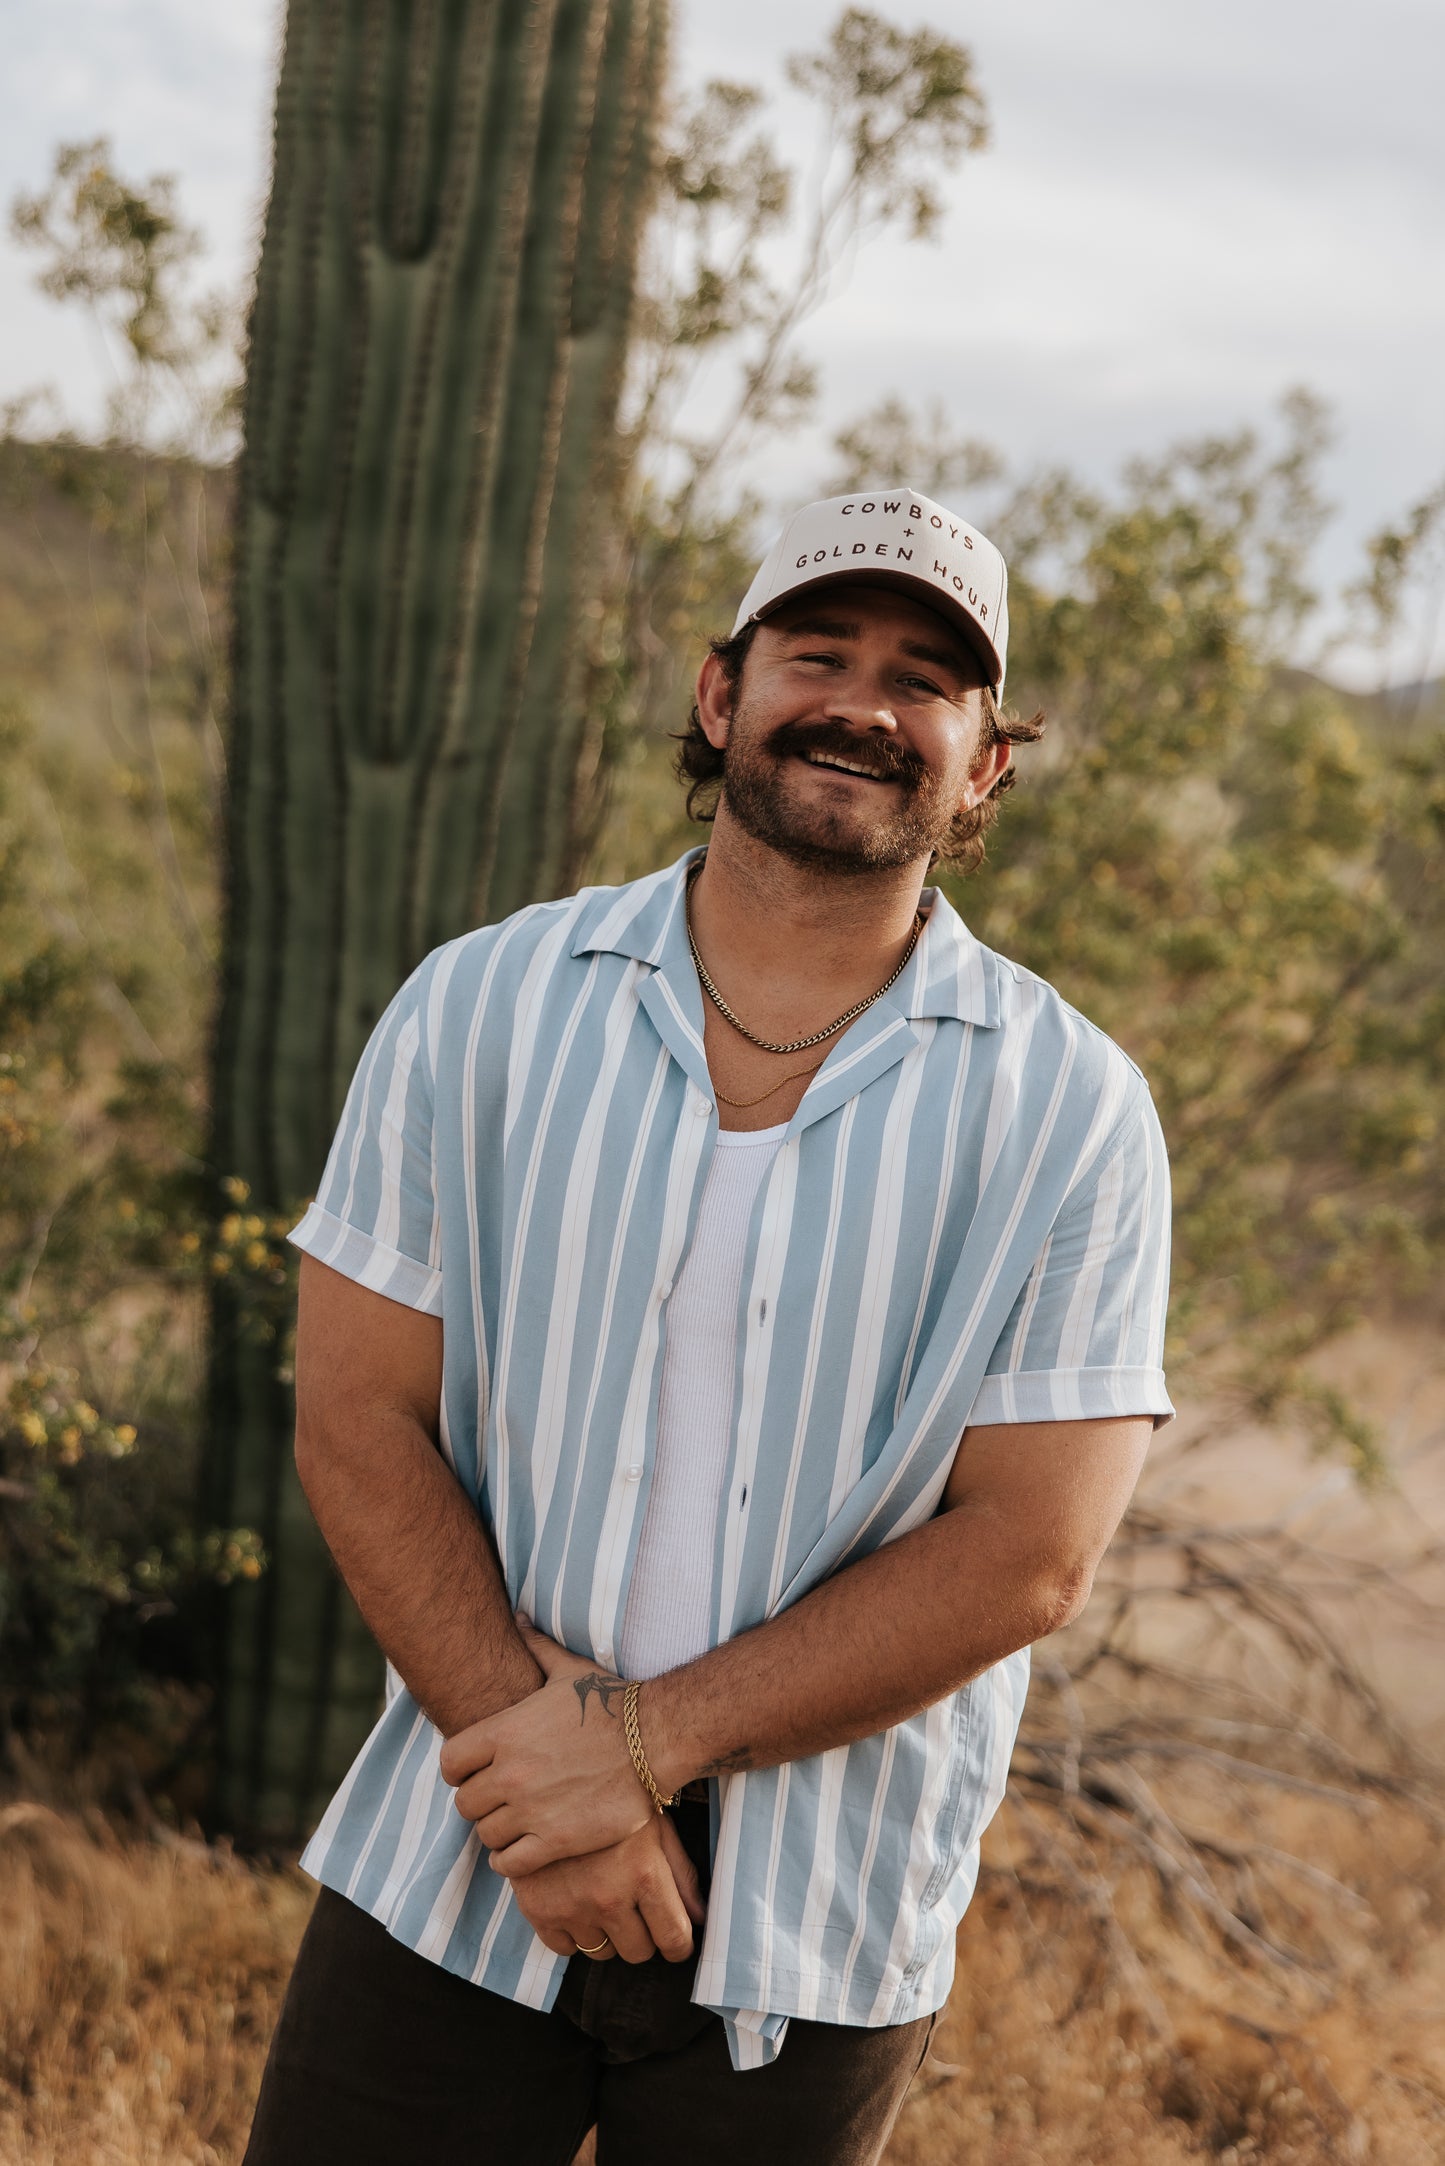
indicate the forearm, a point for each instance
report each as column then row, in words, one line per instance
column 881, row 1640
column 1028, row 1510
column 420, row 1565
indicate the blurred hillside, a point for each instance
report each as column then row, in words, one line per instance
column 1403, row 712
column 112, row 640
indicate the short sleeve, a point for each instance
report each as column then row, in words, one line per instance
column 375, row 1217
column 1086, row 1336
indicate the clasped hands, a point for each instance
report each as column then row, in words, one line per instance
column 551, row 1789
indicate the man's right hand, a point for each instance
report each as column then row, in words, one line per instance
column 643, row 1894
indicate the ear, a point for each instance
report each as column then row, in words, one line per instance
column 993, row 762
column 714, row 702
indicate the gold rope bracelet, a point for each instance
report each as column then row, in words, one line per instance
column 633, row 1734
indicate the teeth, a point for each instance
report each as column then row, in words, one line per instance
column 849, row 767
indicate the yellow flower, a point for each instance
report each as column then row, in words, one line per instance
column 190, row 1242
column 237, row 1189
column 253, row 1225
column 231, row 1227
column 125, row 1433
column 32, row 1428
column 256, row 1254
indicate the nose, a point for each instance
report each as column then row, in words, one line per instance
column 860, row 705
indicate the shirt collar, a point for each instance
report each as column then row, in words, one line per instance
column 950, row 973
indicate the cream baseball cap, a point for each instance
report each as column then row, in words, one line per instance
column 898, row 538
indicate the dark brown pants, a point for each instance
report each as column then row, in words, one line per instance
column 382, row 2058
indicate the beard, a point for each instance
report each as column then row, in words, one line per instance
column 913, row 817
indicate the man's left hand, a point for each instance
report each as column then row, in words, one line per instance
column 551, row 1777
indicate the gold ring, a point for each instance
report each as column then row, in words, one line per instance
column 593, row 1951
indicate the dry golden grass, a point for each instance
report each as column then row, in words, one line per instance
column 1060, row 2052
column 139, row 1982
column 138, row 1987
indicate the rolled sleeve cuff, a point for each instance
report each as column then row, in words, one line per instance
column 754, row 2037
column 1071, row 1395
column 360, row 1256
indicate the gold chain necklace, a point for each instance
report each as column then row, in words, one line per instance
column 793, row 1045
column 742, row 1104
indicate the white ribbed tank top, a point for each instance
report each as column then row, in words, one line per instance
column 667, row 1618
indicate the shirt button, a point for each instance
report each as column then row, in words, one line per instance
column 634, row 1474
column 604, row 1654
column 702, row 1108
column 664, row 1293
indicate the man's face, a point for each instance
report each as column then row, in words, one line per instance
column 854, row 735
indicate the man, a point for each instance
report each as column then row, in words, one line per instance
column 729, row 1335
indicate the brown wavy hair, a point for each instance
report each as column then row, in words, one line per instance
column 698, row 764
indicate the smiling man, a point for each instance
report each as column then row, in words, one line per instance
column 730, row 1332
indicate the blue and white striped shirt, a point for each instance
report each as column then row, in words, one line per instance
column 967, row 1221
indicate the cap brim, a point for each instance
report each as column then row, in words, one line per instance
column 920, row 590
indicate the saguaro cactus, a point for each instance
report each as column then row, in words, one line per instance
column 436, row 349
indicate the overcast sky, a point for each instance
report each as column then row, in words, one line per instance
column 1186, row 209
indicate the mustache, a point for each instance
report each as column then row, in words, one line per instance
column 891, row 760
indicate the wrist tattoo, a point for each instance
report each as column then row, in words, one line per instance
column 606, row 1688
column 729, row 1763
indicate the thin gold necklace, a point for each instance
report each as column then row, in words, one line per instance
column 742, row 1104
column 793, row 1045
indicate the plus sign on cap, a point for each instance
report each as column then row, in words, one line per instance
column 895, row 538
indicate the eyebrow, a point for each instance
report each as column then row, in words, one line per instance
column 837, row 628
